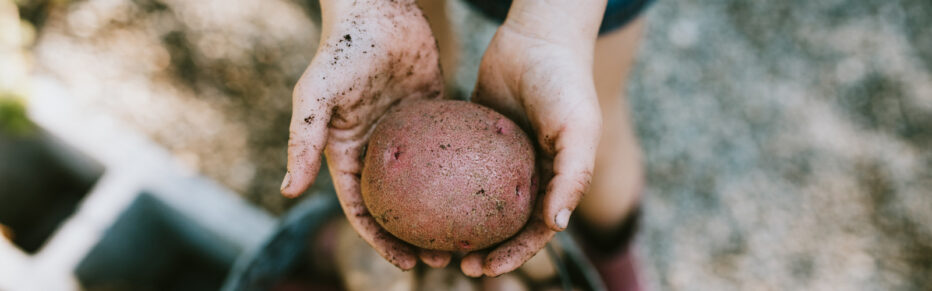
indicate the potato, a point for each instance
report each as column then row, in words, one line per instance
column 449, row 175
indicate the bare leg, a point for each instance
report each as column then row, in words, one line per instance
column 619, row 174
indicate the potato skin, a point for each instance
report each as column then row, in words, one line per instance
column 449, row 175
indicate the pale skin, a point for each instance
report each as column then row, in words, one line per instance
column 377, row 54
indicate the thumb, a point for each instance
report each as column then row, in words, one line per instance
column 306, row 140
column 573, row 161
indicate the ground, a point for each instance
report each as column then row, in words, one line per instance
column 787, row 142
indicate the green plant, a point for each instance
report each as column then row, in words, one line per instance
column 13, row 119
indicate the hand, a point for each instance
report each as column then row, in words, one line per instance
column 542, row 80
column 373, row 55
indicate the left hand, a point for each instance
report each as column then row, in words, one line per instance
column 544, row 83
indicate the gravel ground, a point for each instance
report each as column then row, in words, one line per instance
column 787, row 142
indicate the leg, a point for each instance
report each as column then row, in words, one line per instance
column 619, row 175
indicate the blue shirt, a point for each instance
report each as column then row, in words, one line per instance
column 617, row 12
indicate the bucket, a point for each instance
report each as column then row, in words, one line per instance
column 287, row 247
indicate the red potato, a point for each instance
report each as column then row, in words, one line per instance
column 449, row 175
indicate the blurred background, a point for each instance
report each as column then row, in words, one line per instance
column 788, row 144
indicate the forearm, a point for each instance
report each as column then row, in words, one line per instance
column 560, row 21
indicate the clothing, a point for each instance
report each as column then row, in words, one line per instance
column 611, row 252
column 617, row 12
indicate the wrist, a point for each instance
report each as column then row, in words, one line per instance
column 565, row 22
column 334, row 11
column 342, row 7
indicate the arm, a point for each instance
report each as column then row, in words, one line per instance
column 563, row 22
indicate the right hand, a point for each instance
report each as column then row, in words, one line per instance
column 373, row 54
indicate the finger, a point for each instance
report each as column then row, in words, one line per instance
column 513, row 253
column 343, row 160
column 471, row 264
column 307, row 137
column 435, row 259
column 574, row 158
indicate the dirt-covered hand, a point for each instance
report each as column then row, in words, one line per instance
column 544, row 83
column 372, row 55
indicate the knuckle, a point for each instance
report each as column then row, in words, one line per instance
column 296, row 139
column 584, row 179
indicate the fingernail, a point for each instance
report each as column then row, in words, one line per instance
column 563, row 218
column 286, row 182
